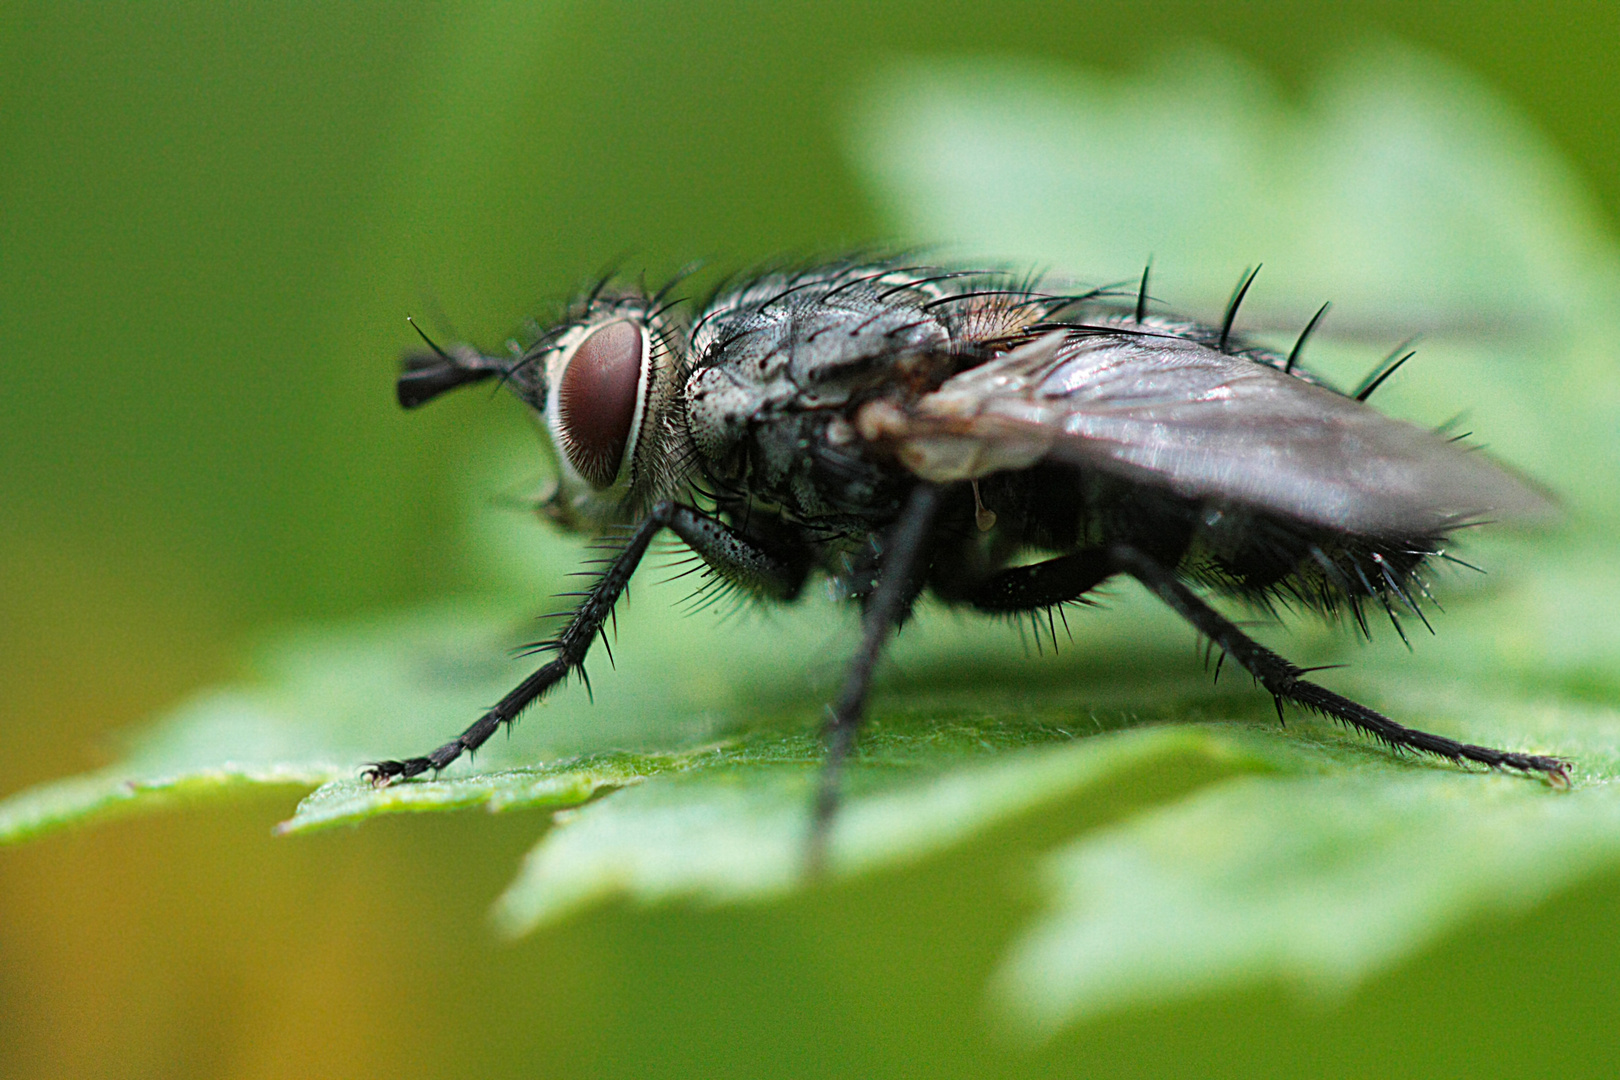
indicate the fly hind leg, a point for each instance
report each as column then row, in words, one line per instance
column 1282, row 679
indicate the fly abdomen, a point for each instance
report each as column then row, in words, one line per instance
column 1264, row 559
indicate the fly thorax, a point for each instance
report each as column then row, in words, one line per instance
column 758, row 366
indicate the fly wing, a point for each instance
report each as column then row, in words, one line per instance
column 1171, row 411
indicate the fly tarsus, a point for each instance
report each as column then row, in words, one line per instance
column 382, row 773
column 1282, row 679
column 1398, row 736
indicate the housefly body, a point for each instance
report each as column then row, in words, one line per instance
column 1003, row 445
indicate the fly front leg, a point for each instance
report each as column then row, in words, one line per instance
column 1282, row 679
column 735, row 555
column 890, row 602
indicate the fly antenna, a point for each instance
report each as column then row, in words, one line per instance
column 442, row 355
column 1236, row 302
column 1299, row 343
column 426, row 377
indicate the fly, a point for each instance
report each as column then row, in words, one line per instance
column 1000, row 445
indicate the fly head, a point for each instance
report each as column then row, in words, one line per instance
column 602, row 382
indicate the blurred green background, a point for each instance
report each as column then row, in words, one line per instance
column 212, row 222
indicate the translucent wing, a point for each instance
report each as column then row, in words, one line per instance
column 1171, row 411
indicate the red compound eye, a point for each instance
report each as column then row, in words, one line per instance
column 596, row 400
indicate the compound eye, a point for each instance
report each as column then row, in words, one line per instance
column 596, row 400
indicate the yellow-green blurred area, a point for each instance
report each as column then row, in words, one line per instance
column 213, row 222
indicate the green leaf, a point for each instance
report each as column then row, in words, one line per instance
column 1219, row 849
column 739, row 831
column 565, row 783
column 1318, row 882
